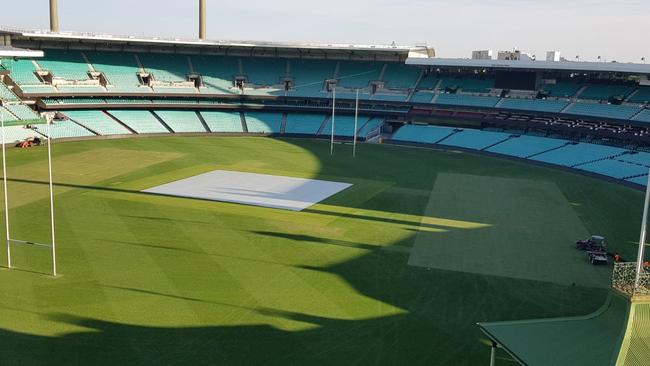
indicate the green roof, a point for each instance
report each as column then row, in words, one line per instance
column 590, row 340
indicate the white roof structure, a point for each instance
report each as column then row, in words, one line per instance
column 11, row 52
column 87, row 37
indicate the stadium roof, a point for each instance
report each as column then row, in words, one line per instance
column 589, row 340
column 8, row 51
column 90, row 38
column 569, row 66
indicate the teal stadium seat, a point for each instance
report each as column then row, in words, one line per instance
column 603, row 110
column 121, row 70
column 358, row 74
column 303, row 124
column 263, row 122
column 536, row 105
column 218, row 73
column 15, row 134
column 166, row 67
column 423, row 134
column 369, row 126
column 22, row 111
column 264, row 71
column 475, row 139
column 400, row 76
column 64, row 129
column 98, row 121
column 68, row 65
column 466, row 100
column 182, row 121
column 223, row 122
column 139, row 121
column 343, row 126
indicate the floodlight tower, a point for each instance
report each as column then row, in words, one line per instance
column 54, row 16
column 202, row 15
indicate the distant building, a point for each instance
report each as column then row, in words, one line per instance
column 482, row 55
column 553, row 56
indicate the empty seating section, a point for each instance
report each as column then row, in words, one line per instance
column 264, row 71
column 22, row 72
column 603, row 110
column 174, row 89
column 581, row 153
column 475, row 139
column 604, row 92
column 263, row 122
column 467, row 84
column 121, row 69
column 140, row 121
column 643, row 180
column 5, row 115
column 562, row 89
column 466, row 100
column 641, row 96
column 423, row 134
column 37, row 88
column 639, row 158
column 552, row 106
column 164, row 67
column 63, row 129
column 614, row 168
column 369, row 126
column 182, row 121
column 357, row 75
column 229, row 122
column 14, row 134
column 218, row 73
column 98, row 121
column 68, row 65
column 400, row 76
column 343, row 126
column 22, row 111
column 309, row 75
column 525, row 146
column 428, row 82
column 643, row 116
column 604, row 160
column 6, row 94
column 304, row 124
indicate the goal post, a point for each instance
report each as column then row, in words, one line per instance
column 13, row 54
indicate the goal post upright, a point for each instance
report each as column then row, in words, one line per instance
column 6, row 51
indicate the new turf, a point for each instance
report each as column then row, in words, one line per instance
column 150, row 279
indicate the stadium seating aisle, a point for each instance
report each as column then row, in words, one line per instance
column 139, row 121
column 181, row 121
column 369, row 126
column 614, row 168
column 22, row 111
column 224, row 122
column 98, row 121
column 6, row 94
column 263, row 122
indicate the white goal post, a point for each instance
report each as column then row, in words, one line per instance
column 14, row 53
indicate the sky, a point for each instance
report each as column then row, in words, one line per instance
column 614, row 30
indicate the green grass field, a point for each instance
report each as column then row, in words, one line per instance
column 395, row 270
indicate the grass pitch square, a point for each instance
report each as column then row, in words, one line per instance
column 295, row 194
column 526, row 226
